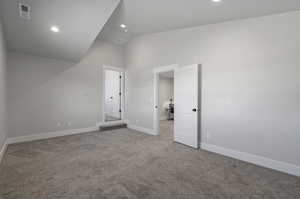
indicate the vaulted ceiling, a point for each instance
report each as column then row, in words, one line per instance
column 149, row 16
column 79, row 23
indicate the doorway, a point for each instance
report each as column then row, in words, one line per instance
column 112, row 95
column 164, row 100
column 166, row 104
column 185, row 102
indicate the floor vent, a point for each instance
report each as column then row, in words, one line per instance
column 24, row 11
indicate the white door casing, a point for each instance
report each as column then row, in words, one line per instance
column 102, row 95
column 156, row 116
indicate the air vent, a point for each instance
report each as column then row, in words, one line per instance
column 24, row 11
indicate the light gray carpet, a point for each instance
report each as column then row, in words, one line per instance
column 126, row 164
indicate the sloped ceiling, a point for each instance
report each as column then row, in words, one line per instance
column 149, row 16
column 112, row 32
column 79, row 21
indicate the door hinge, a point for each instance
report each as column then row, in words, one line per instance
column 120, row 93
column 120, row 110
column 120, row 77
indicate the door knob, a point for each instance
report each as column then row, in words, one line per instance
column 194, row 110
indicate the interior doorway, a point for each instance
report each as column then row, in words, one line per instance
column 182, row 106
column 166, row 104
column 164, row 100
column 112, row 95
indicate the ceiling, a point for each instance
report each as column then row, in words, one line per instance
column 79, row 22
column 149, row 16
column 112, row 31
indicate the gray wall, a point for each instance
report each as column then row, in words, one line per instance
column 47, row 95
column 250, row 76
column 3, row 129
column 166, row 90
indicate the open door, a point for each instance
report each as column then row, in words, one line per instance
column 112, row 95
column 186, row 91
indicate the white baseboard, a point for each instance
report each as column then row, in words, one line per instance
column 3, row 150
column 247, row 157
column 141, row 129
column 254, row 159
column 42, row 136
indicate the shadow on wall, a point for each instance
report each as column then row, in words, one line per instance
column 47, row 95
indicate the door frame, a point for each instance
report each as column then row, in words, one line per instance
column 156, row 108
column 102, row 96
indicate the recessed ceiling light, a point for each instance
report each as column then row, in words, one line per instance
column 216, row 1
column 54, row 29
column 123, row 26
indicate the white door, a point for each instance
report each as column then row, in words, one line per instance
column 112, row 93
column 186, row 105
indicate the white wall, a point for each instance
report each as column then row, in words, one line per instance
column 43, row 92
column 3, row 129
column 166, row 91
column 250, row 77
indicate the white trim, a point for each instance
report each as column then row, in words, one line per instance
column 113, row 68
column 156, row 114
column 111, row 123
column 42, row 136
column 254, row 159
column 3, row 150
column 141, row 129
column 122, row 71
column 168, row 68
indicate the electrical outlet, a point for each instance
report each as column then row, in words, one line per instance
column 58, row 123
